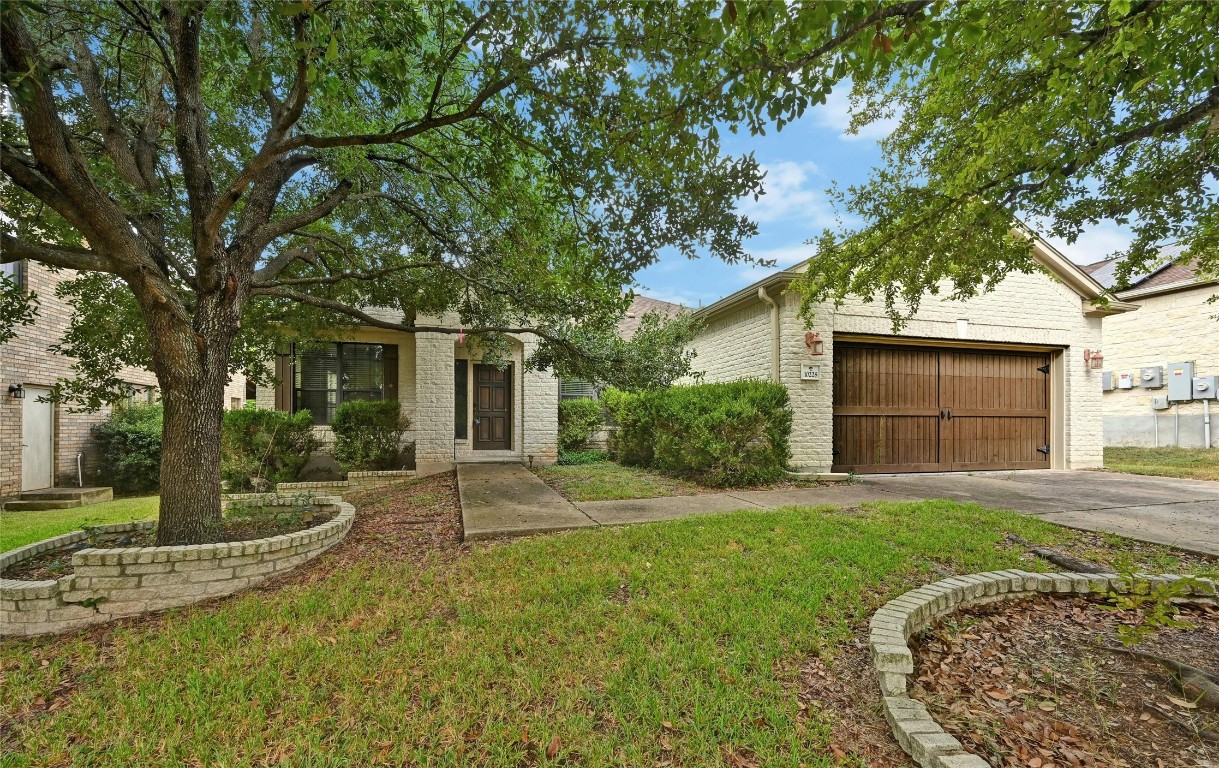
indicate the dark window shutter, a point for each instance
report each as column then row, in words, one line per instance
column 389, row 358
column 283, row 386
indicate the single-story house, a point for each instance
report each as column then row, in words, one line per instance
column 460, row 409
column 1174, row 324
column 45, row 444
column 1000, row 381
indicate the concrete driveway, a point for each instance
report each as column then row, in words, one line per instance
column 1164, row 510
column 508, row 500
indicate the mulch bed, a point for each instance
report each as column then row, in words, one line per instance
column 844, row 694
column 58, row 562
column 1030, row 683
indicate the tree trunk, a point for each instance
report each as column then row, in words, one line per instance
column 191, row 360
column 190, row 458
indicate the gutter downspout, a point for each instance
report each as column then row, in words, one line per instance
column 774, row 327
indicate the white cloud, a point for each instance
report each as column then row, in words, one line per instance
column 790, row 194
column 835, row 114
column 1095, row 244
column 783, row 256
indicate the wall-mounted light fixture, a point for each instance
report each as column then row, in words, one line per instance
column 814, row 344
column 16, row 391
column 1093, row 359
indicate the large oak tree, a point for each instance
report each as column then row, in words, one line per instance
column 221, row 172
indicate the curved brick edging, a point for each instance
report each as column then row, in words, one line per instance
column 108, row 584
column 894, row 624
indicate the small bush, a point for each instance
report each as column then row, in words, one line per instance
column 368, row 435
column 130, row 445
column 261, row 444
column 572, row 458
column 729, row 434
column 579, row 420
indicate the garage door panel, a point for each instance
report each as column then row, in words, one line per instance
column 881, row 443
column 996, row 442
column 923, row 409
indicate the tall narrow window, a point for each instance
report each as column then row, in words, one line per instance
column 316, row 382
column 461, row 404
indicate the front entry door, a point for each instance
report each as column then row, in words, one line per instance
column 492, row 408
column 37, row 439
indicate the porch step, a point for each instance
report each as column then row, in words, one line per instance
column 29, row 506
column 59, row 498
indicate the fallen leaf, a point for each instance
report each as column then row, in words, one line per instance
column 1182, row 703
column 553, row 749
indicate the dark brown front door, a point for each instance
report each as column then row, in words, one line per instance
column 492, row 408
column 920, row 409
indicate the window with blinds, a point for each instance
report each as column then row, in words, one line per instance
column 327, row 375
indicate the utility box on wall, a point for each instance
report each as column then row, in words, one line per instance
column 1125, row 381
column 1159, row 402
column 1151, row 378
column 1205, row 386
column 1106, row 381
column 1181, row 381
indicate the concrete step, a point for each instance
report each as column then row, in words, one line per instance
column 80, row 495
column 30, row 505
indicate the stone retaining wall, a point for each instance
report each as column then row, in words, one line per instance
column 894, row 624
column 111, row 583
column 355, row 483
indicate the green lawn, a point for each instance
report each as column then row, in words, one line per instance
column 27, row 526
column 1193, row 463
column 607, row 481
column 676, row 643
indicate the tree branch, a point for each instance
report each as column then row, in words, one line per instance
column 267, row 234
column 80, row 259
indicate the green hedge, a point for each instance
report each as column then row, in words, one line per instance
column 579, row 420
column 731, row 434
column 270, row 445
column 129, row 441
column 368, row 435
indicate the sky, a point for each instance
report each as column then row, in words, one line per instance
column 801, row 162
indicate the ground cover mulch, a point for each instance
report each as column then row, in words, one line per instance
column 1035, row 683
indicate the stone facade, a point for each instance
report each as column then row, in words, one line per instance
column 426, row 393
column 27, row 360
column 108, row 584
column 1027, row 309
column 1178, row 326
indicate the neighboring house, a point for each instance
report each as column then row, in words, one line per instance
column 40, row 442
column 460, row 409
column 996, row 382
column 1174, row 324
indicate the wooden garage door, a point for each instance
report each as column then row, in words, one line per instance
column 918, row 409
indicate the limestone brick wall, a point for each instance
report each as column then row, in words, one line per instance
column 1169, row 328
column 27, row 360
column 539, row 410
column 1026, row 309
column 111, row 583
column 736, row 345
column 434, row 355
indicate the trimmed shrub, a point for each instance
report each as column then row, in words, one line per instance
column 730, row 434
column 263, row 445
column 130, row 445
column 579, row 420
column 572, row 458
column 368, row 435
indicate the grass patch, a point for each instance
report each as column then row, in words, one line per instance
column 607, row 481
column 27, row 526
column 1192, row 463
column 677, row 642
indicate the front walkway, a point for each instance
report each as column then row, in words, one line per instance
column 509, row 500
column 500, row 500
